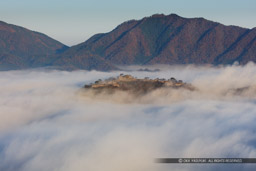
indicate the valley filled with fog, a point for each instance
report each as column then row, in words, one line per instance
column 48, row 122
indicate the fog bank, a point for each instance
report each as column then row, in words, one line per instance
column 48, row 124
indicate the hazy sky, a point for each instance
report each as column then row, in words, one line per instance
column 73, row 22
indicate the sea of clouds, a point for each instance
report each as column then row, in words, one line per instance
column 48, row 123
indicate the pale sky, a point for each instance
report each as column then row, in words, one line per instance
column 74, row 21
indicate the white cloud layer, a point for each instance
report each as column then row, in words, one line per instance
column 48, row 124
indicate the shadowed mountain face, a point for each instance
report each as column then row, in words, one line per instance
column 171, row 39
column 22, row 48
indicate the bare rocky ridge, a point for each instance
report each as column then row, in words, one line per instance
column 136, row 86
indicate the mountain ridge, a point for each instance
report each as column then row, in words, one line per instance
column 157, row 39
column 171, row 39
column 22, row 48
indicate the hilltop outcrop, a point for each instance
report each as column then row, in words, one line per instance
column 135, row 85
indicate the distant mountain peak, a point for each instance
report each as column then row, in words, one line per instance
column 157, row 16
column 172, row 39
column 162, row 16
column 174, row 15
column 23, row 48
